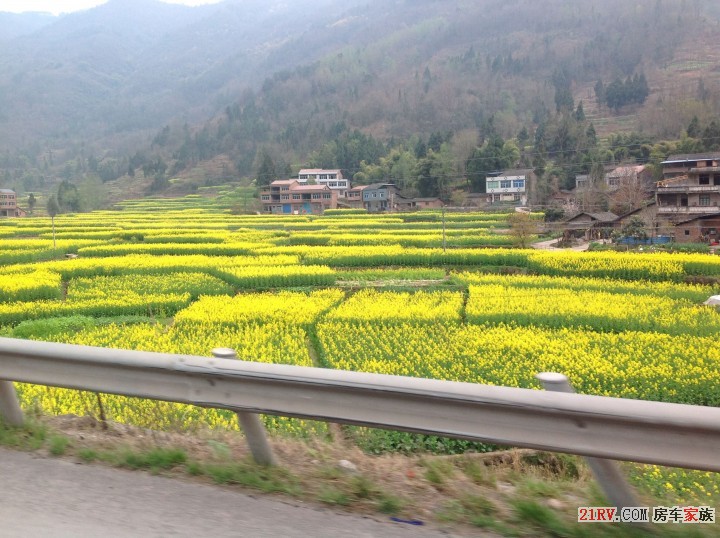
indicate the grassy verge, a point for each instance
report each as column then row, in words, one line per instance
column 511, row 493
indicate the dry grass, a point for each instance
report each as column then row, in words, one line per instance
column 509, row 493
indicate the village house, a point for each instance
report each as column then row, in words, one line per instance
column 354, row 197
column 289, row 197
column 414, row 204
column 380, row 197
column 8, row 204
column 592, row 225
column 616, row 177
column 387, row 197
column 332, row 178
column 512, row 186
column 690, row 186
column 627, row 174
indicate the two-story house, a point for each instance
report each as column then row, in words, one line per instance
column 288, row 196
column 8, row 204
column 690, row 186
column 512, row 186
column 332, row 178
column 625, row 175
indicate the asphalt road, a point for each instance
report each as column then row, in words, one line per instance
column 42, row 497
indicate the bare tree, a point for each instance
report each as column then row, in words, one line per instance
column 523, row 228
column 631, row 192
column 594, row 196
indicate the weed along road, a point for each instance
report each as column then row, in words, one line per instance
column 55, row 497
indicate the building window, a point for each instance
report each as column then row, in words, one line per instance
column 492, row 184
column 614, row 181
column 519, row 183
column 516, row 197
column 326, row 196
column 316, row 196
column 705, row 199
column 704, row 179
column 285, row 197
column 285, row 188
column 265, row 197
column 687, row 232
column 374, row 195
column 505, row 184
column 296, row 196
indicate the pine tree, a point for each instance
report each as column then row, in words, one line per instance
column 580, row 112
column 266, row 172
column 693, row 130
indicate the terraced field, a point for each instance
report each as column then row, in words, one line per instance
column 356, row 291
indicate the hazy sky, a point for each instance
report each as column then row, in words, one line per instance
column 66, row 6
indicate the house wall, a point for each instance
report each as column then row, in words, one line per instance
column 8, row 205
column 698, row 231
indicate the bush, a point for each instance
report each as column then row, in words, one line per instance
column 44, row 328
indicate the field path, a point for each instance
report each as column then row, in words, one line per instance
column 548, row 245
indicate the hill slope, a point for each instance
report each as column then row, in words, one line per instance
column 227, row 80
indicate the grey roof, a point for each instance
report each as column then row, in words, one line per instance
column 7, row 191
column 682, row 157
column 700, row 217
column 603, row 216
column 379, row 185
column 512, row 172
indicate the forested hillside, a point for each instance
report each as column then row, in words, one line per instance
column 369, row 87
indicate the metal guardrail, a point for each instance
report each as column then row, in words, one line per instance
column 649, row 432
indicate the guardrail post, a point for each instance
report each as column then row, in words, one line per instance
column 9, row 405
column 250, row 423
column 607, row 472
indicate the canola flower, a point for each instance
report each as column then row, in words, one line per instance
column 601, row 311
column 638, row 365
column 147, row 264
column 370, row 305
column 195, row 284
column 693, row 292
column 289, row 307
column 30, row 286
column 278, row 276
column 270, row 341
column 130, row 304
